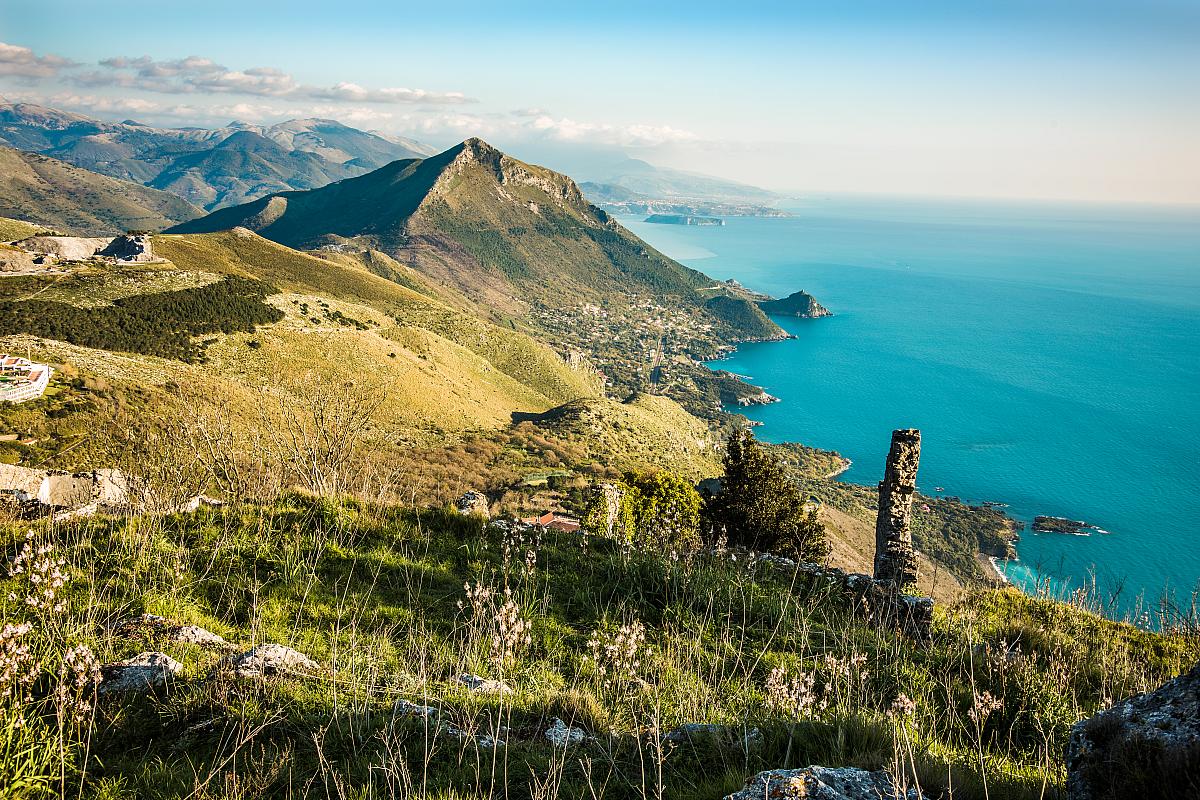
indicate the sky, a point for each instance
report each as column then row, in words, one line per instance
column 1056, row 99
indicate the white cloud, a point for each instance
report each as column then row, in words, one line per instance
column 22, row 62
column 199, row 75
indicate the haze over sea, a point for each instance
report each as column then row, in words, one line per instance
column 1049, row 354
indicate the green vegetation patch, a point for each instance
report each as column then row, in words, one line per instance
column 159, row 324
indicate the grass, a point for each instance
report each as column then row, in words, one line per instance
column 12, row 230
column 373, row 593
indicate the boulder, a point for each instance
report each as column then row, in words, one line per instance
column 473, row 503
column 143, row 672
column 1147, row 746
column 560, row 734
column 822, row 783
column 154, row 626
column 129, row 248
column 484, row 685
column 269, row 659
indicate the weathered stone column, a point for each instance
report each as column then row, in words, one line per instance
column 894, row 557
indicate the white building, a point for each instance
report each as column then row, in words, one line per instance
column 22, row 379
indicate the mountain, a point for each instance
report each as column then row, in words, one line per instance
column 504, row 233
column 244, row 166
column 192, row 163
column 54, row 194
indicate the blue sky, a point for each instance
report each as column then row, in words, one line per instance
column 1071, row 100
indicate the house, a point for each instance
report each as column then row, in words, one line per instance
column 22, row 379
column 554, row 521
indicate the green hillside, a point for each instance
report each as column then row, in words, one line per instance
column 57, row 195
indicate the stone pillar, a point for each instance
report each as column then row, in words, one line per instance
column 894, row 557
column 610, row 496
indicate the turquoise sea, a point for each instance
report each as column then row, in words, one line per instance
column 1049, row 354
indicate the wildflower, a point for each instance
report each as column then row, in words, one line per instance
column 78, row 678
column 512, row 634
column 792, row 695
column 44, row 575
column 984, row 706
column 18, row 669
column 618, row 656
column 903, row 706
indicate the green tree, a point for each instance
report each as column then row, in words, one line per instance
column 666, row 511
column 651, row 510
column 761, row 507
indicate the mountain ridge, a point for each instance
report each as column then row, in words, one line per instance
column 315, row 151
column 502, row 231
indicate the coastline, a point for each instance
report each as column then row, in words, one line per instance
column 992, row 573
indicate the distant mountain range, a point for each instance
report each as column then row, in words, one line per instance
column 210, row 168
column 632, row 186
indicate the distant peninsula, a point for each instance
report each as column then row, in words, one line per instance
column 797, row 304
column 683, row 219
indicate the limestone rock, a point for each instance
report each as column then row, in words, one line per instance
column 142, row 672
column 895, row 559
column 484, row 685
column 68, row 248
column 1145, row 746
column 163, row 628
column 411, row 709
column 560, row 734
column 269, row 659
column 473, row 503
column 822, row 783
column 129, row 249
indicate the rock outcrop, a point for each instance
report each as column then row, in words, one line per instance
column 484, row 685
column 823, row 783
column 1146, row 746
column 42, row 491
column 153, row 626
column 67, row 248
column 473, row 504
column 267, row 660
column 797, row 304
column 560, row 734
column 129, row 248
column 143, row 672
column 895, row 559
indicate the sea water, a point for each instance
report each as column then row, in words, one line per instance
column 1049, row 354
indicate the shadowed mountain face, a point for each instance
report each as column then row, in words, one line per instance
column 57, row 195
column 503, row 232
column 212, row 168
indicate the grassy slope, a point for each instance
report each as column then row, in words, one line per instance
column 13, row 229
column 513, row 354
column 61, row 196
column 441, row 372
column 372, row 593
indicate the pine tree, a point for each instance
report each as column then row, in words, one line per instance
column 761, row 507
